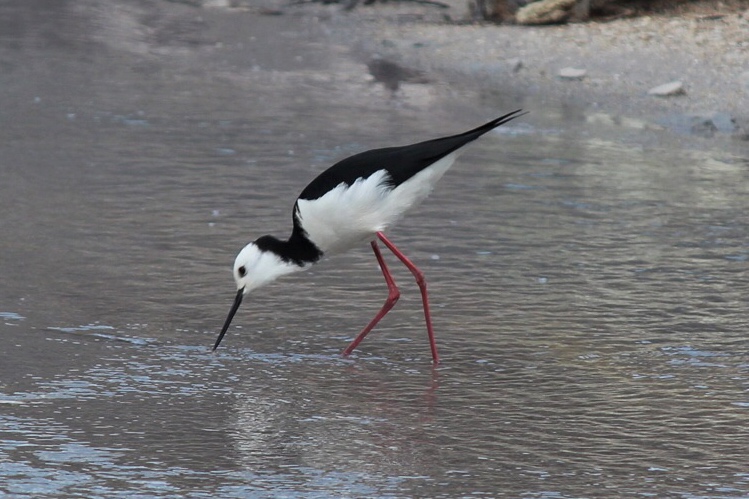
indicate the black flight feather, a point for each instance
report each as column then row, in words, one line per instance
column 401, row 163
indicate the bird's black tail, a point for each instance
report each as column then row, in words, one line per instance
column 401, row 163
column 481, row 130
column 432, row 150
column 414, row 158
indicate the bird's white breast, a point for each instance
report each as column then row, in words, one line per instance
column 349, row 215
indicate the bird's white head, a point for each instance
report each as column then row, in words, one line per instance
column 258, row 264
column 255, row 267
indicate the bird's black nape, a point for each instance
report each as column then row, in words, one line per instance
column 297, row 250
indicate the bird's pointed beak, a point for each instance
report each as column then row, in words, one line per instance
column 234, row 308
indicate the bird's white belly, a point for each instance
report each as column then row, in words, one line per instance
column 348, row 216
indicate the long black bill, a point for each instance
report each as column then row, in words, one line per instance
column 234, row 308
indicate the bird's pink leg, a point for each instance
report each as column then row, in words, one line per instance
column 393, row 295
column 419, row 275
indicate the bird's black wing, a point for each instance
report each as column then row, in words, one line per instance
column 401, row 163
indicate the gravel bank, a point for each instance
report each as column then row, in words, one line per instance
column 704, row 48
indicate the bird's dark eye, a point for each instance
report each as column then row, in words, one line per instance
column 242, row 271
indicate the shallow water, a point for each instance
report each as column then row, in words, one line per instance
column 589, row 295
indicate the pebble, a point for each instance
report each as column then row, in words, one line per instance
column 668, row 89
column 515, row 64
column 705, row 124
column 572, row 73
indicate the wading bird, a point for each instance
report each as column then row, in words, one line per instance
column 351, row 203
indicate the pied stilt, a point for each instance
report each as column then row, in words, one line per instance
column 351, row 203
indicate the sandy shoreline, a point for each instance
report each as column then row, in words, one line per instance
column 622, row 59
